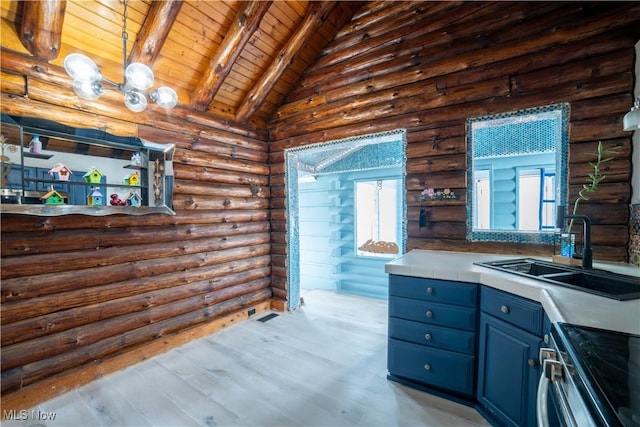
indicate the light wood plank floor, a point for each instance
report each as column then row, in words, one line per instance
column 322, row 365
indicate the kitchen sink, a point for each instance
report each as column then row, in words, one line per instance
column 599, row 282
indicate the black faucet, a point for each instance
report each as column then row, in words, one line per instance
column 587, row 254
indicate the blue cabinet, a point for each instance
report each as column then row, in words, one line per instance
column 432, row 334
column 508, row 368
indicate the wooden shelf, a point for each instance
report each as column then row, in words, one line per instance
column 37, row 155
column 134, row 167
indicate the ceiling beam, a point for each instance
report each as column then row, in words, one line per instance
column 245, row 24
column 154, row 31
column 41, row 27
column 256, row 96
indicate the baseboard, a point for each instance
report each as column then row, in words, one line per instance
column 34, row 394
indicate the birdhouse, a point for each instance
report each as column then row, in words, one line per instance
column 53, row 198
column 94, row 176
column 95, row 198
column 60, row 172
column 133, row 199
column 133, row 179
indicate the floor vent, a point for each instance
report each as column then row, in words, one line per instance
column 267, row 317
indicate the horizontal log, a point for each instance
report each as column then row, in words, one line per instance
column 478, row 247
column 435, row 164
column 55, row 344
column 614, row 171
column 436, row 180
column 436, row 146
column 44, row 284
column 209, row 160
column 209, row 174
column 59, row 310
column 13, row 84
column 48, row 264
column 438, row 213
column 26, row 107
column 26, row 223
column 196, row 188
column 117, row 301
column 569, row 74
column 44, row 368
column 608, row 192
column 439, row 230
column 182, row 139
column 71, row 240
column 202, row 202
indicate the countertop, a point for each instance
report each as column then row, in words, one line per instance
column 560, row 303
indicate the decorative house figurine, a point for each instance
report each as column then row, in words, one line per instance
column 115, row 200
column 60, row 172
column 136, row 159
column 94, row 176
column 53, row 198
column 95, row 198
column 133, row 199
column 133, row 179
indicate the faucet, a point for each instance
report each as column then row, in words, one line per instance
column 587, row 254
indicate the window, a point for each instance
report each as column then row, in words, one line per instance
column 536, row 201
column 482, row 202
column 377, row 217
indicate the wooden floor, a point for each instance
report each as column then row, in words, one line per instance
column 322, row 365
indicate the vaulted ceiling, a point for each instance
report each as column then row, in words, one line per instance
column 236, row 59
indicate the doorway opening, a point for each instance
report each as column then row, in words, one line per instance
column 326, row 220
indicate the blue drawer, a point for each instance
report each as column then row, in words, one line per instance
column 444, row 291
column 516, row 310
column 434, row 313
column 432, row 335
column 440, row 368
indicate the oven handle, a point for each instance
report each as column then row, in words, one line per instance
column 542, row 412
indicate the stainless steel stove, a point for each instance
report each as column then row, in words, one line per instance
column 591, row 377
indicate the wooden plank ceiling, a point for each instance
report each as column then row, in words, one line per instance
column 237, row 59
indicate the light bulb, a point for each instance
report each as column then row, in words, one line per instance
column 81, row 67
column 139, row 76
column 135, row 101
column 87, row 89
column 165, row 97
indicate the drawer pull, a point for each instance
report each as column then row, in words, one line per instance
column 430, row 290
column 504, row 309
column 427, row 337
column 531, row 363
column 429, row 313
column 427, row 367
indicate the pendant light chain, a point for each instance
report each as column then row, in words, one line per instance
column 125, row 38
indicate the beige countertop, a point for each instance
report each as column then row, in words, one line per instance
column 560, row 303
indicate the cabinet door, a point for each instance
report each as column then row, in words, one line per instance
column 508, row 371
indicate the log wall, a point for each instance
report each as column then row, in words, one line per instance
column 429, row 68
column 84, row 295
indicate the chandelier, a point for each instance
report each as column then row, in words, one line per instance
column 88, row 80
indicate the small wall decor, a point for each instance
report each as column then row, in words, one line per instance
column 133, row 179
column 93, row 176
column 436, row 194
column 115, row 200
column 95, row 198
column 133, row 199
column 379, row 247
column 136, row 159
column 60, row 172
column 53, row 198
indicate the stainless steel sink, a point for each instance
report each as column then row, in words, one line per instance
column 594, row 281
